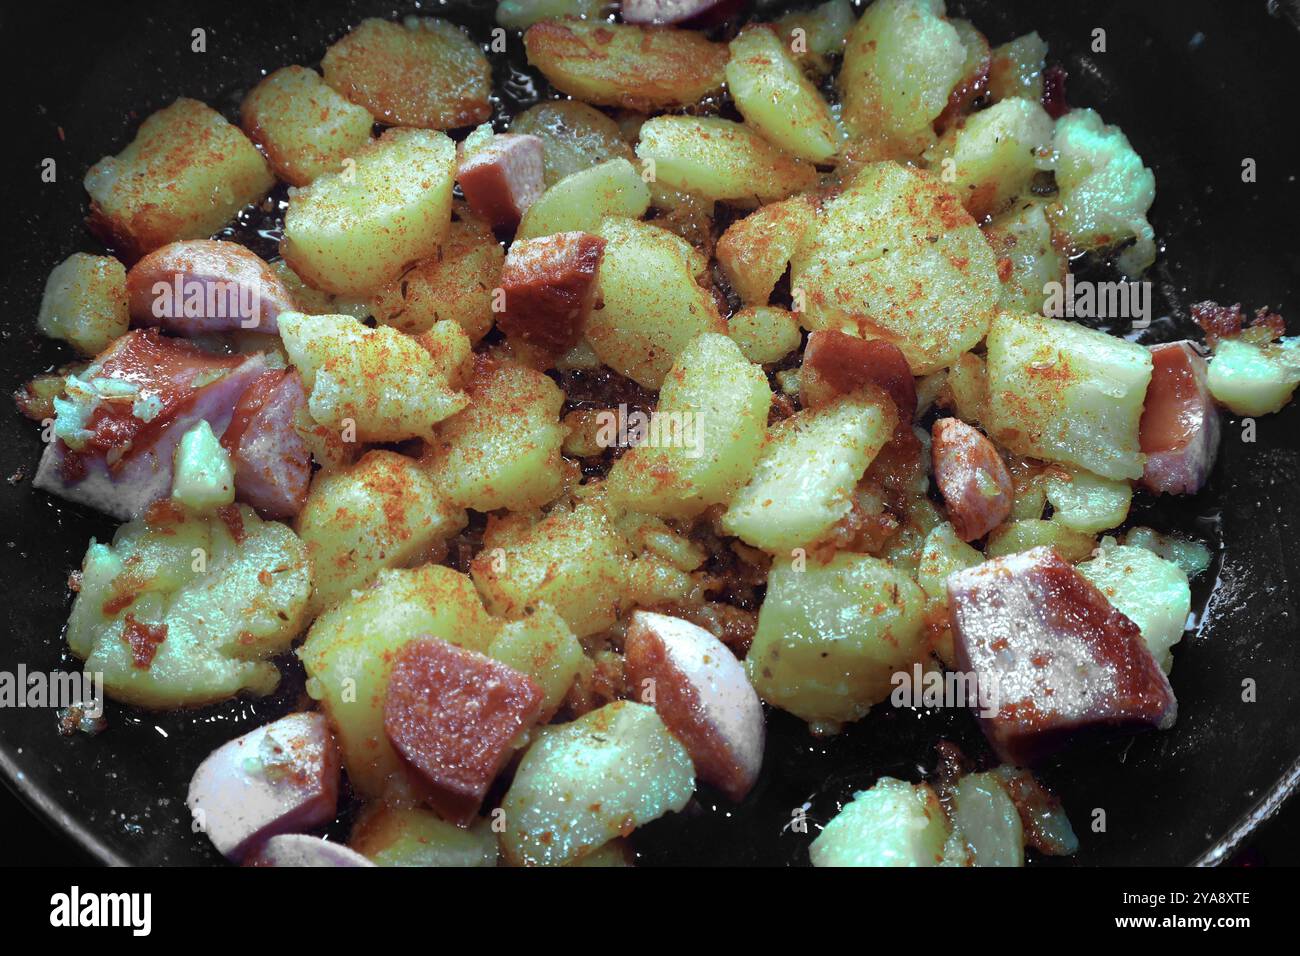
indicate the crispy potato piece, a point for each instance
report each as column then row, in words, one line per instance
column 755, row 251
column 353, row 231
column 409, row 836
column 823, row 31
column 574, row 137
column 303, row 125
column 1028, row 260
column 454, row 284
column 776, row 98
column 717, row 402
column 422, row 72
column 1062, row 392
column 765, row 333
column 185, row 175
column 638, row 68
column 85, row 303
column 503, row 450
column 580, row 201
column 183, row 609
column 902, row 61
column 385, row 385
column 898, row 257
column 717, row 159
column 383, row 512
column 652, row 304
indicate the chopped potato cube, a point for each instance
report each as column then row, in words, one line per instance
column 382, row 384
column 382, row 512
column 764, row 333
column 542, row 646
column 992, row 157
column 85, row 303
column 1086, row 502
column 185, row 175
column 574, row 137
column 203, row 478
column 615, row 64
column 412, row 836
column 1028, row 261
column 831, row 636
column 1016, row 68
column 303, row 125
column 503, row 450
column 352, row 231
column 575, row 561
column 1251, row 379
column 585, row 783
column 652, row 305
column 717, row 159
column 1105, row 191
column 454, row 284
column 1022, row 534
column 805, row 476
column 894, row 823
column 579, row 201
column 1066, row 393
column 755, row 251
column 422, row 72
column 776, row 99
column 1151, row 592
column 712, row 416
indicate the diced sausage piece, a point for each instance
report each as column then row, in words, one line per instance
column 1179, row 432
column 298, row 849
column 132, row 407
column 503, row 177
column 281, row 778
column 972, row 478
column 272, row 462
column 1051, row 656
column 453, row 715
column 549, row 284
column 835, row 363
column 702, row 695
column 659, row 12
column 202, row 286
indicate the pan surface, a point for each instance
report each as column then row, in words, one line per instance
column 1198, row 86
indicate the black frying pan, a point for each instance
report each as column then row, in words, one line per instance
column 1198, row 85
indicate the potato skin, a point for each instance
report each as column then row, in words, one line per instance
column 423, row 72
column 637, row 68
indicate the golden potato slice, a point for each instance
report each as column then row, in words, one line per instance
column 422, row 72
column 579, row 201
column 303, row 125
column 717, row 159
column 185, row 175
column 652, row 305
column 455, row 284
column 896, row 257
column 352, row 231
column 574, row 137
column 777, row 100
column 638, row 68
column 902, row 61
column 713, row 414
